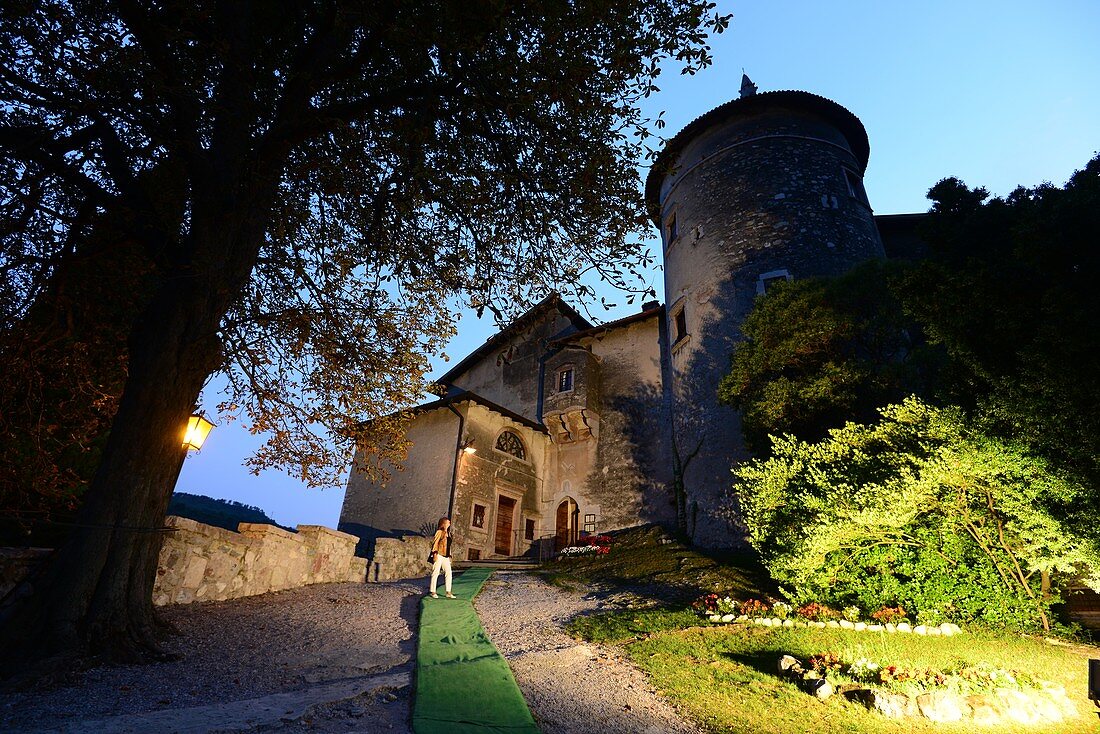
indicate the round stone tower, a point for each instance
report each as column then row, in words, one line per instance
column 767, row 187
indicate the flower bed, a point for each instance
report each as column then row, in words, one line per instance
column 726, row 610
column 593, row 545
column 982, row 694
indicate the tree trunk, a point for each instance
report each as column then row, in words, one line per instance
column 95, row 595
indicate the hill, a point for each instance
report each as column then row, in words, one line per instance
column 217, row 512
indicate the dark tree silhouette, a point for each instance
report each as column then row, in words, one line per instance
column 292, row 190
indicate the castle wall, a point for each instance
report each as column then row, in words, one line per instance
column 609, row 433
column 757, row 196
column 509, row 376
column 488, row 473
column 414, row 496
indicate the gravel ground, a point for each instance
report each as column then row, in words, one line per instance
column 338, row 658
column 571, row 688
column 251, row 648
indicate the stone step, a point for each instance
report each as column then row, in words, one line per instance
column 499, row 563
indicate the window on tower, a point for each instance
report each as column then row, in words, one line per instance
column 855, row 187
column 672, row 229
column 565, row 380
column 679, row 325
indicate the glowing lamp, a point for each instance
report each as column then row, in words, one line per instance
column 198, row 428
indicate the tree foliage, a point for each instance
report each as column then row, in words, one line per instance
column 919, row 509
column 819, row 352
column 303, row 185
column 1010, row 292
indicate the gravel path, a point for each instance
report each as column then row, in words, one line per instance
column 239, row 659
column 571, row 688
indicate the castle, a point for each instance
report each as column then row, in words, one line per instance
column 556, row 426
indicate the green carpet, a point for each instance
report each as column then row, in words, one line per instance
column 462, row 683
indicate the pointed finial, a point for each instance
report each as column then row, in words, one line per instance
column 747, row 87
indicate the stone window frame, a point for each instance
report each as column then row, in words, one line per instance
column 764, row 278
column 677, row 321
column 670, row 228
column 474, row 504
column 854, row 183
column 523, row 445
column 559, row 373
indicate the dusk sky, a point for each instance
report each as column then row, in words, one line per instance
column 998, row 94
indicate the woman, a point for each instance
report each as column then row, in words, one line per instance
column 441, row 555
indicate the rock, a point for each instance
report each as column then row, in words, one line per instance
column 821, row 689
column 982, row 710
column 845, row 624
column 786, row 663
column 942, row 706
column 786, row 622
column 933, row 632
column 819, row 625
column 947, row 629
column 875, row 628
column 920, row 629
column 892, row 705
column 728, row 617
column 859, row 626
column 1017, row 706
column 904, row 627
column 832, row 624
column 715, row 618
column 891, row 627
column 742, row 618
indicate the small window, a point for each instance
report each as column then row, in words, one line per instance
column 509, row 443
column 679, row 323
column 479, row 516
column 855, row 187
column 473, row 554
column 672, row 228
column 565, row 380
column 529, row 529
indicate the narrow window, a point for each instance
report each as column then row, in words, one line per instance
column 672, row 229
column 479, row 516
column 855, row 187
column 528, row 529
column 565, row 380
column 679, row 322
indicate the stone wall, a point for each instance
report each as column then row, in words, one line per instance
column 400, row 558
column 203, row 563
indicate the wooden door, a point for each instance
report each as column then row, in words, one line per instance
column 505, row 509
column 561, row 527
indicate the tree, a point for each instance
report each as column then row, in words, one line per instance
column 1009, row 291
column 306, row 183
column 922, row 510
column 819, row 352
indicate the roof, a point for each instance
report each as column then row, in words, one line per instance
column 554, row 300
column 610, row 325
column 848, row 124
column 472, row 397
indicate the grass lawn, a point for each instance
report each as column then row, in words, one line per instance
column 724, row 676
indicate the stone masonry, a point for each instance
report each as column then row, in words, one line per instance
column 203, row 563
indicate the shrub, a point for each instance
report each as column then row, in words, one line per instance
column 753, row 608
column 890, row 615
column 816, row 612
column 922, row 511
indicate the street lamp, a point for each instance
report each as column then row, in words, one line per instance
column 198, row 428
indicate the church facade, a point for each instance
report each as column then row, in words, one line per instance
column 556, row 427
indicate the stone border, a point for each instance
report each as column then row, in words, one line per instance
column 947, row 629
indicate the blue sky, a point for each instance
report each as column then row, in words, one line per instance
column 997, row 94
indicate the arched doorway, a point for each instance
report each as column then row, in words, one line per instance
column 565, row 525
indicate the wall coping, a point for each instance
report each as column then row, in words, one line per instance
column 322, row 530
column 199, row 528
column 260, row 529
